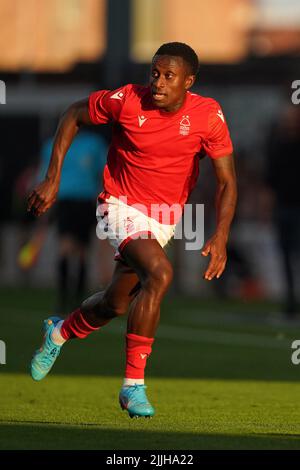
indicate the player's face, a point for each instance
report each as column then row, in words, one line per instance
column 170, row 79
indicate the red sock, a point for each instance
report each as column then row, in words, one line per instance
column 138, row 349
column 75, row 326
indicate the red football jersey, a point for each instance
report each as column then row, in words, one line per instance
column 153, row 158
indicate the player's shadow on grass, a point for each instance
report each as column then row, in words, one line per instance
column 36, row 436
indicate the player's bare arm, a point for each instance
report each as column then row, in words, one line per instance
column 44, row 195
column 226, row 198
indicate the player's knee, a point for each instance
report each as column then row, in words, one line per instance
column 160, row 276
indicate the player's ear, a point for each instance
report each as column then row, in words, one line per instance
column 189, row 81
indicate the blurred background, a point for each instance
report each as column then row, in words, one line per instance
column 55, row 52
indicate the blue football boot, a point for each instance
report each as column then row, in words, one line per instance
column 45, row 357
column 133, row 399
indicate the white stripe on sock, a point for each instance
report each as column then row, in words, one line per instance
column 130, row 382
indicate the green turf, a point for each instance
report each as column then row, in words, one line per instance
column 220, row 377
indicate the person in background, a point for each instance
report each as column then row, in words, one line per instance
column 282, row 176
column 74, row 215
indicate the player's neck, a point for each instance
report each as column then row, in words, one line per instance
column 175, row 107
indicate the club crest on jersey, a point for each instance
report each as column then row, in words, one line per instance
column 184, row 126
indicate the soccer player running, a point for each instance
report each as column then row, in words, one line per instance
column 159, row 132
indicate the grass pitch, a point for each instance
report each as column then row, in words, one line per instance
column 220, row 377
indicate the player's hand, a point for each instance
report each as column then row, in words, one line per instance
column 216, row 248
column 42, row 197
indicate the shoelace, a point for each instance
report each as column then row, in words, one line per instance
column 50, row 355
column 136, row 393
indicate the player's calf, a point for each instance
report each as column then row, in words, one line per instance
column 101, row 308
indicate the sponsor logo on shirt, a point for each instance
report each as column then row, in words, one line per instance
column 142, row 119
column 117, row 96
column 184, row 126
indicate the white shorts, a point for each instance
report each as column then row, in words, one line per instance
column 121, row 223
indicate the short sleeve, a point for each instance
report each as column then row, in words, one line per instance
column 217, row 142
column 106, row 105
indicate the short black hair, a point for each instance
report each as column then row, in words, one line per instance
column 182, row 50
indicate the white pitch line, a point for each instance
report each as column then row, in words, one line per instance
column 222, row 337
column 198, row 335
column 214, row 337
column 273, row 321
